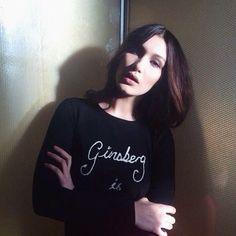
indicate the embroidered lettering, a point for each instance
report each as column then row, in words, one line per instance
column 97, row 150
column 116, row 186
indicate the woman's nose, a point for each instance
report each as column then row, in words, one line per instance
column 139, row 64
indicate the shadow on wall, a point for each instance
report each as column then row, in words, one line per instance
column 82, row 71
column 196, row 209
column 225, row 198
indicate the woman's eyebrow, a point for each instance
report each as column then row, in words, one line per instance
column 157, row 56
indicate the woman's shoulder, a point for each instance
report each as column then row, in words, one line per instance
column 72, row 105
column 70, row 101
column 74, row 102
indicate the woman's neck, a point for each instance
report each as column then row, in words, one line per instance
column 121, row 107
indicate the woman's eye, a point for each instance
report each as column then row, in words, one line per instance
column 155, row 63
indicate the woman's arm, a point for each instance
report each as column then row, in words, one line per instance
column 55, row 197
column 48, row 195
column 152, row 213
column 162, row 186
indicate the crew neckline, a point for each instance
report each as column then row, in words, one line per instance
column 115, row 117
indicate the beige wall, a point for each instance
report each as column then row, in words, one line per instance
column 205, row 143
column 49, row 50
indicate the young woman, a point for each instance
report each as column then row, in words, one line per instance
column 106, row 166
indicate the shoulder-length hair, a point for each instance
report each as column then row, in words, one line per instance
column 168, row 101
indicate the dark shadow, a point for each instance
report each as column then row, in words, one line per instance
column 194, row 201
column 225, row 193
column 83, row 70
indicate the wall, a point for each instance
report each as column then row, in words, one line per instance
column 49, row 50
column 205, row 143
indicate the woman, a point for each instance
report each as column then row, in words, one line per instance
column 106, row 166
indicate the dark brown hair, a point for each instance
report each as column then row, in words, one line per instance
column 168, row 101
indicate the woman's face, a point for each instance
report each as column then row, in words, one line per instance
column 141, row 68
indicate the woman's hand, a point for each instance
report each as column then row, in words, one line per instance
column 154, row 217
column 62, row 170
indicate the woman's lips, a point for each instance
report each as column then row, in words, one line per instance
column 129, row 78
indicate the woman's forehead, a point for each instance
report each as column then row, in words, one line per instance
column 155, row 45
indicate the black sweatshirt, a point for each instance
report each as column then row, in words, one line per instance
column 114, row 163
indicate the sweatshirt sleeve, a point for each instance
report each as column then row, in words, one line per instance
column 163, row 169
column 47, row 193
column 52, row 200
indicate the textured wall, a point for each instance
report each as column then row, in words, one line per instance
column 205, row 143
column 49, row 50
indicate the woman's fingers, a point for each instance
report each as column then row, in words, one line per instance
column 166, row 221
column 63, row 154
column 65, row 182
column 167, row 225
column 170, row 219
column 62, row 158
column 162, row 233
column 61, row 151
column 169, row 209
column 62, row 170
column 62, row 162
column 154, row 217
column 55, row 169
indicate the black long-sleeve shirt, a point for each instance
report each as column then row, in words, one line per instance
column 114, row 163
